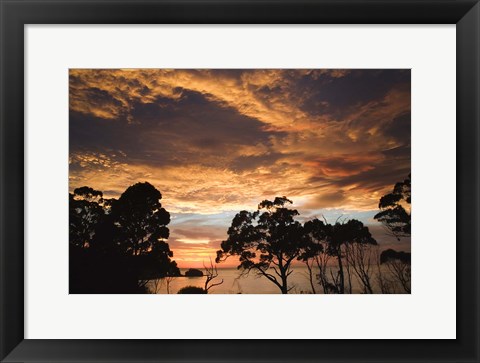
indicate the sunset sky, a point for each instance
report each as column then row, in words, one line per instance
column 215, row 142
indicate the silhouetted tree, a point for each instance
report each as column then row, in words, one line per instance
column 106, row 237
column 141, row 220
column 386, row 285
column 86, row 210
column 211, row 273
column 167, row 278
column 399, row 264
column 117, row 246
column 155, row 286
column 266, row 241
column 361, row 257
column 394, row 208
column 315, row 235
column 342, row 234
column 323, row 240
column 168, row 281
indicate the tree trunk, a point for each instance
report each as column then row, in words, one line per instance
column 340, row 271
column 284, row 281
column 310, row 276
column 349, row 275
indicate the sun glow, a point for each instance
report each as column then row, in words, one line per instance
column 193, row 241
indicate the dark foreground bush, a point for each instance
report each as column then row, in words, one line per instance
column 96, row 273
column 191, row 290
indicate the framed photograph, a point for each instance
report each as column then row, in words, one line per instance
column 235, row 181
column 209, row 143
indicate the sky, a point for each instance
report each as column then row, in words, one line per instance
column 215, row 142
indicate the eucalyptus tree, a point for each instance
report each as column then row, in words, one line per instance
column 395, row 212
column 315, row 231
column 266, row 241
column 85, row 212
column 121, row 243
column 141, row 220
column 340, row 241
column 340, row 236
column 399, row 265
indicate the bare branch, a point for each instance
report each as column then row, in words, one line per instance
column 212, row 273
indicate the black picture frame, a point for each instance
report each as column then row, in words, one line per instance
column 15, row 14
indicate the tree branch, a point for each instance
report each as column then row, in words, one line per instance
column 269, row 276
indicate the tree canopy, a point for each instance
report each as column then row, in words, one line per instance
column 392, row 255
column 141, row 219
column 85, row 209
column 395, row 212
column 322, row 237
column 127, row 236
column 398, row 262
column 266, row 241
column 269, row 240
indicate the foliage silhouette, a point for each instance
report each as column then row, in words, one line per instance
column 141, row 219
column 398, row 263
column 116, row 246
column 315, row 232
column 211, row 273
column 266, row 241
column 394, row 208
column 323, row 240
column 85, row 212
column 342, row 234
column 389, row 255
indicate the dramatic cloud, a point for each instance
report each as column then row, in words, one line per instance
column 218, row 141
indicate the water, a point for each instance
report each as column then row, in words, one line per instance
column 233, row 283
